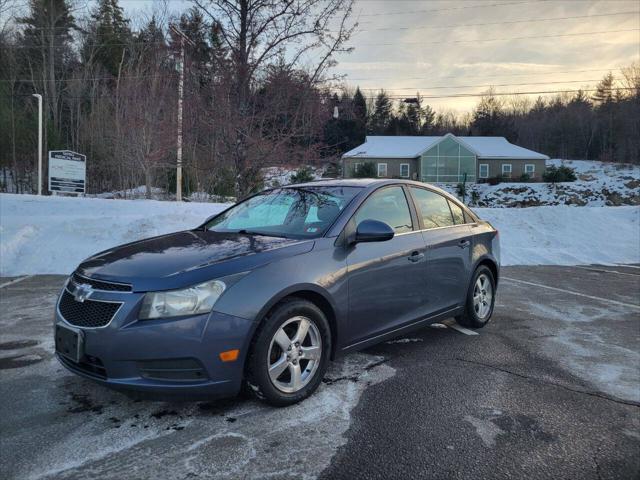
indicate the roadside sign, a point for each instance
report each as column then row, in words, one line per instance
column 67, row 171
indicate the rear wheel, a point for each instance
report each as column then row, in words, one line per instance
column 480, row 299
column 289, row 354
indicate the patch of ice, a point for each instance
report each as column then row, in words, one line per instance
column 486, row 430
column 404, row 340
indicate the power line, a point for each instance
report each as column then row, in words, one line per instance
column 434, row 10
column 506, row 22
column 488, row 76
column 428, row 27
column 500, row 39
column 438, row 87
column 87, row 79
column 501, row 94
column 364, row 45
column 395, row 97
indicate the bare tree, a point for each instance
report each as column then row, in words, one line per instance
column 260, row 33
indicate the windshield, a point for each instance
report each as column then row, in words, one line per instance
column 286, row 212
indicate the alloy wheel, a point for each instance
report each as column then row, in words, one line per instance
column 294, row 354
column 482, row 296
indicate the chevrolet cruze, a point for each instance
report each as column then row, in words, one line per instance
column 267, row 292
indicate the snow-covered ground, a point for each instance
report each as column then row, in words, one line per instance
column 53, row 234
column 598, row 184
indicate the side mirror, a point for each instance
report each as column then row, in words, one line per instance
column 373, row 231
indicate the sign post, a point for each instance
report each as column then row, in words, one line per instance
column 67, row 172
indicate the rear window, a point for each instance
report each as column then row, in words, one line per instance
column 458, row 214
column 432, row 207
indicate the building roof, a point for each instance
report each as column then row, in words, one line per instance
column 412, row 147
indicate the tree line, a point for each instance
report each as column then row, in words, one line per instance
column 259, row 91
column 603, row 124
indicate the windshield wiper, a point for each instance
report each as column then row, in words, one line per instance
column 251, row 232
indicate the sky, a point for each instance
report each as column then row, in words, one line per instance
column 442, row 48
column 409, row 46
column 448, row 47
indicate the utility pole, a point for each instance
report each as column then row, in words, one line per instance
column 183, row 38
column 39, row 97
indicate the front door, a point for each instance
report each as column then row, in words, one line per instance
column 386, row 279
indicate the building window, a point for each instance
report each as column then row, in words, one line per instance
column 382, row 169
column 404, row 170
column 483, row 171
column 530, row 169
column 356, row 167
column 448, row 162
column 506, row 170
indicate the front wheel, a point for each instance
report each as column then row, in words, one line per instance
column 289, row 354
column 480, row 299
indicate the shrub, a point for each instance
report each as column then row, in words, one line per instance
column 525, row 177
column 475, row 197
column 366, row 170
column 555, row 174
column 461, row 190
column 303, row 175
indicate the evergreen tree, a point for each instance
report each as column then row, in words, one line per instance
column 490, row 119
column 428, row 120
column 382, row 114
column 107, row 43
column 359, row 106
column 604, row 90
column 46, row 57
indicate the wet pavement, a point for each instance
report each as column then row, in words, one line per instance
column 549, row 389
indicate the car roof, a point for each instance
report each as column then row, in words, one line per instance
column 364, row 182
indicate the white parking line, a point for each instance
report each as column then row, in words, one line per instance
column 606, row 300
column 453, row 324
column 15, row 280
column 602, row 270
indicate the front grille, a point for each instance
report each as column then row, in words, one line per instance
column 101, row 285
column 89, row 313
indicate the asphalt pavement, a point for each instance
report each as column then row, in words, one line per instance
column 549, row 389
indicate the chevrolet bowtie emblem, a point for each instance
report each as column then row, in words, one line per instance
column 82, row 292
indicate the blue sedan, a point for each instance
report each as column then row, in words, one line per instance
column 267, row 292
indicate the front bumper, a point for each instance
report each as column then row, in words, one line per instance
column 169, row 357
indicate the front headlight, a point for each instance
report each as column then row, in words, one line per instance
column 189, row 301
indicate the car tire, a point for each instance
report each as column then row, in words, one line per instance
column 280, row 384
column 480, row 299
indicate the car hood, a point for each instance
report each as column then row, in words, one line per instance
column 184, row 258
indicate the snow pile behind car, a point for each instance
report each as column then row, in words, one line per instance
column 53, row 234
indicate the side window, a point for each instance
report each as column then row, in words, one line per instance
column 388, row 205
column 458, row 215
column 468, row 218
column 432, row 207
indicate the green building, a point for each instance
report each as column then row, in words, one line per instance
column 444, row 159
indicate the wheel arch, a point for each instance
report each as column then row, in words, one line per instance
column 491, row 264
column 312, row 293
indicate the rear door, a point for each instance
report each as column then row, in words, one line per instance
column 386, row 279
column 448, row 239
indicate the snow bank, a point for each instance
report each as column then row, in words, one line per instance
column 53, row 234
column 564, row 235
column 598, row 184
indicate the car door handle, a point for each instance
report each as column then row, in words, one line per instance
column 464, row 243
column 416, row 256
